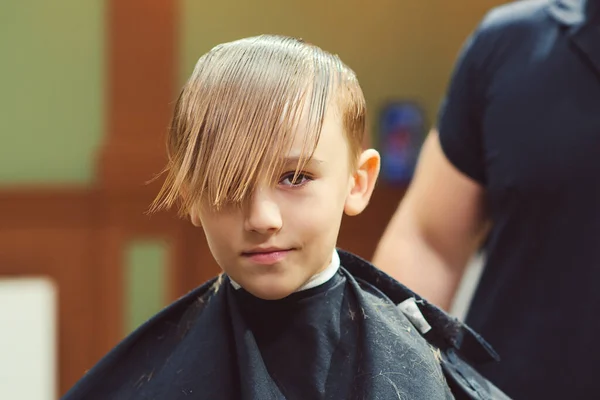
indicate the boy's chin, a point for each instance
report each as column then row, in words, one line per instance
column 276, row 290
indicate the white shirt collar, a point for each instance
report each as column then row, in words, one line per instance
column 315, row 280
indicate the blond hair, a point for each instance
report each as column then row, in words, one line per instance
column 239, row 112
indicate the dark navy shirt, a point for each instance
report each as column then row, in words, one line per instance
column 522, row 118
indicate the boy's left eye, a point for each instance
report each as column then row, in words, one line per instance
column 288, row 179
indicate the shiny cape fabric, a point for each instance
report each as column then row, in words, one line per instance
column 200, row 348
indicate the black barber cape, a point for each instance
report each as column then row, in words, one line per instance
column 344, row 339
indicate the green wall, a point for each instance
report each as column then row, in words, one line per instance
column 51, row 90
column 145, row 281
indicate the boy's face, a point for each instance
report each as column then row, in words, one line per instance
column 286, row 233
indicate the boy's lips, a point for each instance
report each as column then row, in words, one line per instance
column 267, row 255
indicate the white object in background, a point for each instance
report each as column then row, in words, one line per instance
column 28, row 347
column 466, row 289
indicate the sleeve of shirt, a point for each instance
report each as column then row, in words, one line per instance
column 460, row 116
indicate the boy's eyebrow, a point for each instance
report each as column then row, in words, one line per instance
column 297, row 160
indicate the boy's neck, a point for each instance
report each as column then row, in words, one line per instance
column 315, row 280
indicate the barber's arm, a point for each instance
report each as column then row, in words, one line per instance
column 437, row 227
column 442, row 219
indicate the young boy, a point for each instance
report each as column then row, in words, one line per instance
column 265, row 155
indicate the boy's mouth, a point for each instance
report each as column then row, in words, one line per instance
column 267, row 255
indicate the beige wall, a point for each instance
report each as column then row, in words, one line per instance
column 398, row 48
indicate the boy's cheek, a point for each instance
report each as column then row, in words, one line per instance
column 317, row 219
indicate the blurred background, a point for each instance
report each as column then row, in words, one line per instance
column 86, row 92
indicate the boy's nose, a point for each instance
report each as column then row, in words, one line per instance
column 263, row 214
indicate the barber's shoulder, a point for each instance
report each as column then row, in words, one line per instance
column 506, row 32
column 515, row 16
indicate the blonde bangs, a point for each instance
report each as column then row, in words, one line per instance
column 238, row 115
